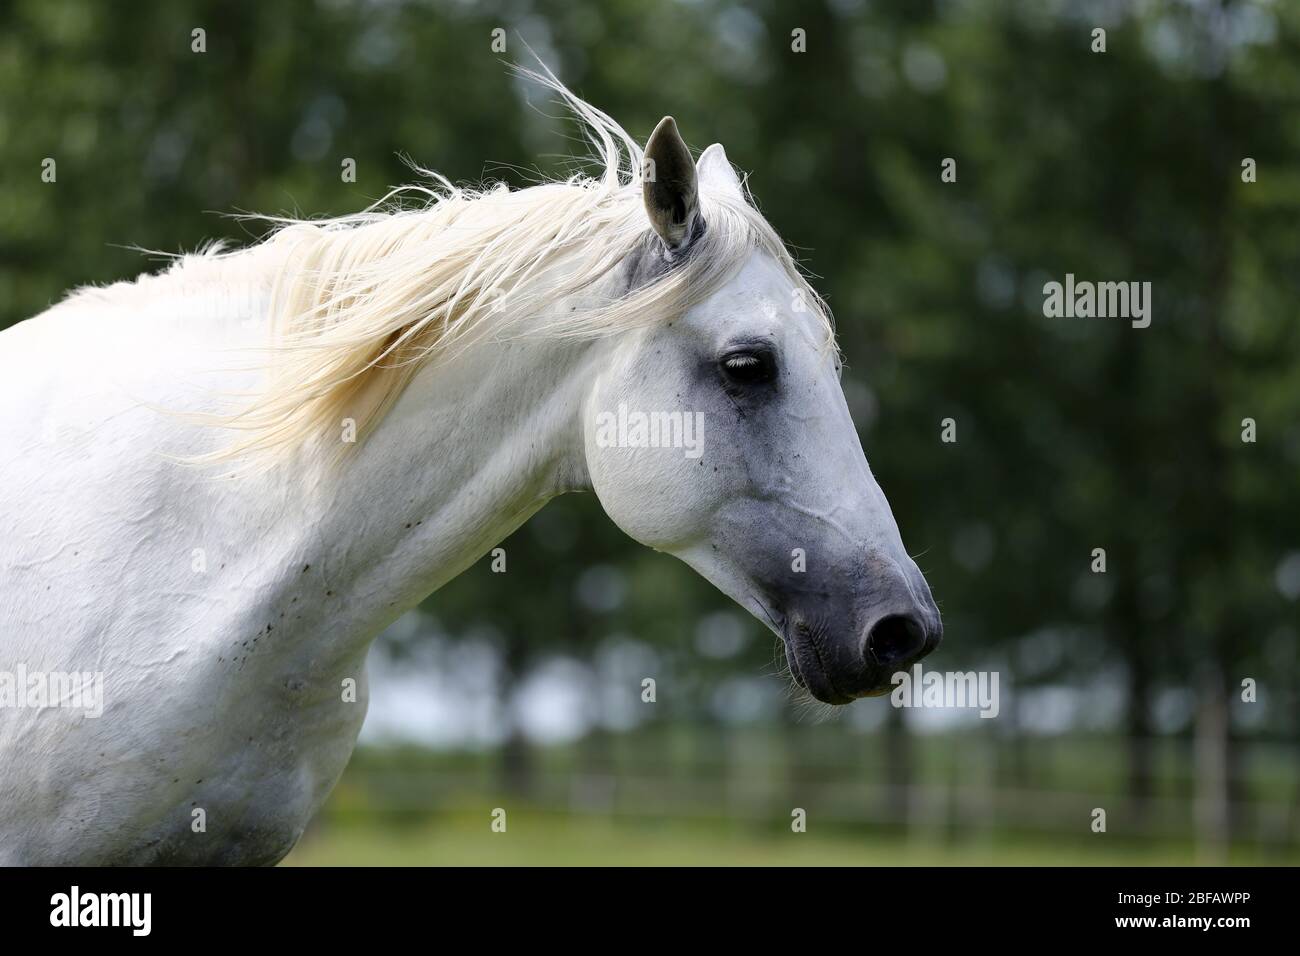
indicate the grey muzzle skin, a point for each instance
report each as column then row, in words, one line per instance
column 845, row 642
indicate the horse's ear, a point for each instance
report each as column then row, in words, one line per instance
column 669, row 185
column 714, row 171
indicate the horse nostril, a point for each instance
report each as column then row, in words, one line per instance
column 895, row 639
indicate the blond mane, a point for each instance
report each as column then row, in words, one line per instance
column 361, row 302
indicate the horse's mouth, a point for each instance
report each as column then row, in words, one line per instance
column 807, row 668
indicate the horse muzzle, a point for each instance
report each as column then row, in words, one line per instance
column 838, row 668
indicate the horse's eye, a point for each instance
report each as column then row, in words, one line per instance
column 749, row 367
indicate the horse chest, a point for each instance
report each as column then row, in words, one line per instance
column 280, row 744
column 225, row 763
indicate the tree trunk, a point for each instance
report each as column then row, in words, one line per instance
column 898, row 767
column 517, row 767
column 1213, row 823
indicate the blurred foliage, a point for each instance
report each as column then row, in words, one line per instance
column 1072, row 434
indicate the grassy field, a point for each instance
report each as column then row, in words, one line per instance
column 539, row 839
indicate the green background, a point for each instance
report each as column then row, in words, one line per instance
column 1119, row 690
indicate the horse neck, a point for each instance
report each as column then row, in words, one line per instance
column 470, row 450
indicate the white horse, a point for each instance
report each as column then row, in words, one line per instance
column 198, row 531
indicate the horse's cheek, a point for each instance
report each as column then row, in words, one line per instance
column 659, row 499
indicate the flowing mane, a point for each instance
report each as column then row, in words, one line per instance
column 361, row 302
